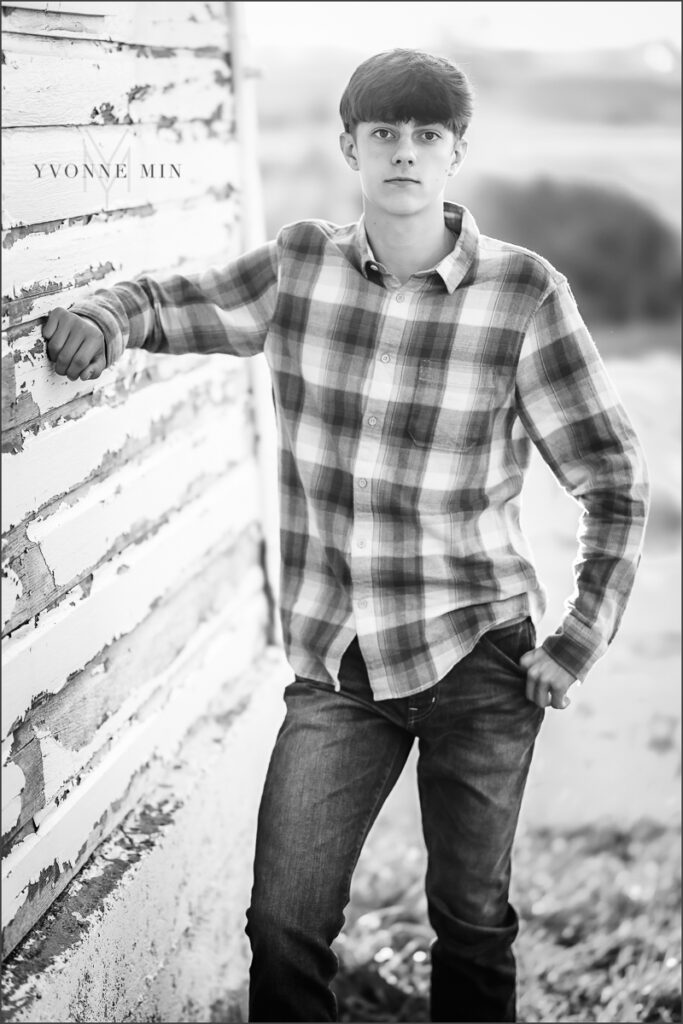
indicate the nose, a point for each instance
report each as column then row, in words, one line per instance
column 404, row 154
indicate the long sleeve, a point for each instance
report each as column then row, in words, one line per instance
column 223, row 309
column 574, row 416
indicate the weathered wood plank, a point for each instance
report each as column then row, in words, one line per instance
column 77, row 717
column 39, row 657
column 32, row 390
column 30, row 386
column 128, row 244
column 42, row 864
column 51, row 554
column 52, row 462
column 22, row 313
column 178, row 25
column 64, row 7
column 47, row 171
column 108, row 84
column 62, row 766
column 13, row 787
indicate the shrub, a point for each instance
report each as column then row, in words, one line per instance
column 622, row 261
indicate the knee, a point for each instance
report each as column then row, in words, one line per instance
column 266, row 924
column 274, row 924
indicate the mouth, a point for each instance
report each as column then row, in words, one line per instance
column 402, row 181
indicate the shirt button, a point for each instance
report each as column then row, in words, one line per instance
column 361, row 543
column 362, row 603
column 372, row 420
column 362, row 482
column 400, row 297
column 386, row 358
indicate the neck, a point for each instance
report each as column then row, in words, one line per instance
column 408, row 244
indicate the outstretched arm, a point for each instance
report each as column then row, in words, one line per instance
column 224, row 309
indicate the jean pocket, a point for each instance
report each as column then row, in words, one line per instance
column 511, row 642
column 449, row 411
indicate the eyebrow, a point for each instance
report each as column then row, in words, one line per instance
column 418, row 124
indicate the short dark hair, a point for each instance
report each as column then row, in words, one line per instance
column 408, row 85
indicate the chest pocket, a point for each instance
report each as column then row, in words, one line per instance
column 452, row 408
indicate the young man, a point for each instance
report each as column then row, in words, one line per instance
column 414, row 362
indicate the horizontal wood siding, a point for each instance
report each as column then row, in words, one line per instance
column 132, row 579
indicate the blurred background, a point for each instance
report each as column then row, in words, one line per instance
column 575, row 153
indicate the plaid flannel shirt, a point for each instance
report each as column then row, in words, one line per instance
column 406, row 415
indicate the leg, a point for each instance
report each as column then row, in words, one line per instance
column 474, row 760
column 334, row 763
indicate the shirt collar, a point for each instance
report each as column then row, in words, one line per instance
column 453, row 267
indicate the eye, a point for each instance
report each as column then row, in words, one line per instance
column 382, row 133
column 431, row 136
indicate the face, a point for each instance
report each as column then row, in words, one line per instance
column 404, row 168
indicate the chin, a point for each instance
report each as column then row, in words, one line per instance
column 398, row 205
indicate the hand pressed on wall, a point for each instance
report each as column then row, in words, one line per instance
column 75, row 345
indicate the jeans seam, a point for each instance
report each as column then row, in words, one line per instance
column 368, row 821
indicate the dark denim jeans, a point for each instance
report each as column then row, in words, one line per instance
column 335, row 760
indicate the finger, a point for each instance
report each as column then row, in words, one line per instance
column 560, row 701
column 67, row 354
column 52, row 322
column 80, row 360
column 537, row 692
column 63, row 332
column 527, row 660
column 89, row 351
column 94, row 370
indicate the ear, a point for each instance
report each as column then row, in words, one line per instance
column 458, row 155
column 347, row 144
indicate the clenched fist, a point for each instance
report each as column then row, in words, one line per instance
column 75, row 345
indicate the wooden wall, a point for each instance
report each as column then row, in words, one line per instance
column 132, row 581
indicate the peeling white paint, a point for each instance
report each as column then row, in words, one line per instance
column 61, row 764
column 39, row 93
column 54, row 461
column 129, row 244
column 13, row 782
column 188, row 224
column 40, row 660
column 76, row 537
column 221, row 650
column 217, row 786
column 12, row 590
column 180, row 24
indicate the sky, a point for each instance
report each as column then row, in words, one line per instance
column 538, row 25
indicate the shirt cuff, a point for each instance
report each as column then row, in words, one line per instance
column 573, row 647
column 114, row 341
